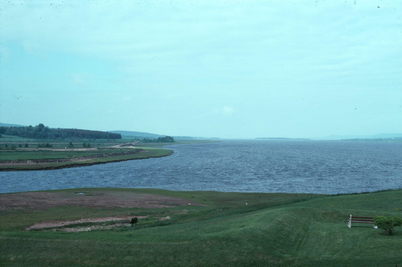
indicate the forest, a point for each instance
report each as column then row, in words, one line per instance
column 162, row 139
column 43, row 132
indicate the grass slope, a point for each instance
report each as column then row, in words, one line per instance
column 230, row 229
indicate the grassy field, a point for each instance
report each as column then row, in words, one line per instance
column 16, row 141
column 17, row 153
column 217, row 229
column 50, row 159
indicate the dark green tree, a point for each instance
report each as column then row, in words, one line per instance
column 133, row 221
column 387, row 223
column 43, row 132
column 165, row 139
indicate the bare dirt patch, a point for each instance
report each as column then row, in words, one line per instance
column 92, row 228
column 124, row 221
column 123, row 199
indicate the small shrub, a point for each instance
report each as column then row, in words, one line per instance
column 134, row 221
column 44, row 145
column 87, row 145
column 387, row 223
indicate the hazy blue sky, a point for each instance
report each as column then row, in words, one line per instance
column 251, row 68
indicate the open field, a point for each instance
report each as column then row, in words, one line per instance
column 17, row 153
column 16, row 141
column 51, row 158
column 90, row 227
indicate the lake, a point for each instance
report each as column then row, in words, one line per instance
column 328, row 167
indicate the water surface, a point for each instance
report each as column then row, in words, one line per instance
column 244, row 166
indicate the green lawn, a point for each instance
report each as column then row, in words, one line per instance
column 230, row 229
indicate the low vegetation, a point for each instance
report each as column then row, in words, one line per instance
column 47, row 158
column 387, row 223
column 195, row 229
column 24, row 153
column 163, row 139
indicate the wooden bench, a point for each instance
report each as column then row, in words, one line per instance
column 361, row 220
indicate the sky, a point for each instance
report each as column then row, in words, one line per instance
column 211, row 68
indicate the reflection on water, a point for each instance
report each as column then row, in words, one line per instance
column 248, row 166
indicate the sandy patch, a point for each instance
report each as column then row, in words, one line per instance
column 93, row 227
column 54, row 224
column 164, row 218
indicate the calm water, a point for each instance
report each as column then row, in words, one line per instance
column 248, row 166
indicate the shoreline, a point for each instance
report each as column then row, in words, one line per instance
column 202, row 191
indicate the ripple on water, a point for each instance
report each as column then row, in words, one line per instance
column 248, row 166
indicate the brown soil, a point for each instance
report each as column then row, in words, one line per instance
column 44, row 200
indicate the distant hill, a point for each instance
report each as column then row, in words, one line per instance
column 133, row 134
column 384, row 136
column 387, row 136
column 189, row 138
column 142, row 135
column 43, row 132
column 10, row 125
column 282, row 139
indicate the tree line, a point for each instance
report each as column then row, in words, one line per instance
column 162, row 139
column 43, row 132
